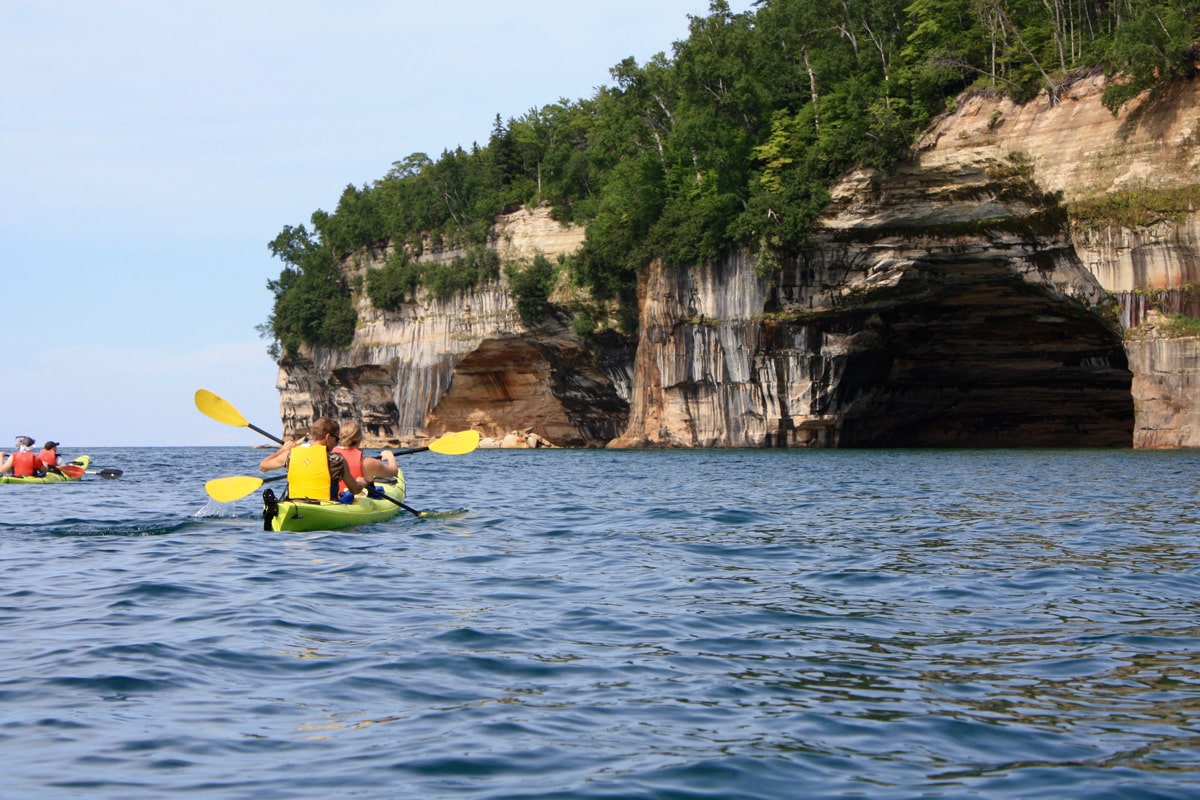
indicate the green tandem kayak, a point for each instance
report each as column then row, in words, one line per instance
column 70, row 472
column 330, row 515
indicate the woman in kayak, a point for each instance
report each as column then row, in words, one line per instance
column 364, row 467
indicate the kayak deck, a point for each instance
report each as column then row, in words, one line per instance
column 70, row 472
column 330, row 515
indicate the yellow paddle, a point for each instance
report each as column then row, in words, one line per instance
column 452, row 444
column 235, row 487
column 217, row 408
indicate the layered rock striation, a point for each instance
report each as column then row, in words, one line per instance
column 466, row 361
column 950, row 302
column 935, row 307
column 1081, row 150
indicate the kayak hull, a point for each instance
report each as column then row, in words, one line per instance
column 71, row 472
column 330, row 515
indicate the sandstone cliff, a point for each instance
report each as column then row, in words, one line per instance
column 465, row 362
column 1080, row 149
column 948, row 303
column 935, row 307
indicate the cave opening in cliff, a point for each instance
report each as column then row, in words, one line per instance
column 997, row 364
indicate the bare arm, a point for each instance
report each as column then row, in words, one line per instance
column 382, row 467
column 278, row 459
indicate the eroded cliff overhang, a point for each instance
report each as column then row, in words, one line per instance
column 939, row 308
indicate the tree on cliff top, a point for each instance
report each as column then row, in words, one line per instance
column 312, row 302
column 731, row 142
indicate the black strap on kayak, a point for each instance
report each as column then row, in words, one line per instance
column 270, row 508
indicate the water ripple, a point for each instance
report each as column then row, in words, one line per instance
column 601, row 625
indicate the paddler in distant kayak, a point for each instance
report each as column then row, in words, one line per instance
column 362, row 466
column 24, row 462
column 49, row 457
column 314, row 470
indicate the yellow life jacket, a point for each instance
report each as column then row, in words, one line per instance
column 308, row 473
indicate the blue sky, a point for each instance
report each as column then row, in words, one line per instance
column 151, row 149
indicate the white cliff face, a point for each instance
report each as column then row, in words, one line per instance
column 1166, row 379
column 398, row 366
column 1076, row 145
column 696, row 385
column 1161, row 256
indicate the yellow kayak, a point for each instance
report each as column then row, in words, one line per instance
column 331, row 515
column 69, row 472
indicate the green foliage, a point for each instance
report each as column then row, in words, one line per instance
column 584, row 325
column 1156, row 41
column 1179, row 325
column 394, row 283
column 312, row 304
column 1135, row 208
column 731, row 141
column 530, row 287
column 478, row 266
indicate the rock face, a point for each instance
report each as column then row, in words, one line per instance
column 895, row 328
column 465, row 362
column 949, row 303
column 1078, row 148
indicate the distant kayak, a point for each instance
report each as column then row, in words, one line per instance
column 70, row 472
column 330, row 515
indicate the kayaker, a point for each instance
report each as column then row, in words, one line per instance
column 23, row 463
column 364, row 467
column 49, row 457
column 314, row 469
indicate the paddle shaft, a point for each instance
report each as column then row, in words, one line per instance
column 409, row 509
column 270, row 436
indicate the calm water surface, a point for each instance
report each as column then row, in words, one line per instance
column 592, row 624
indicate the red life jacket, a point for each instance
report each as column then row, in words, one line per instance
column 48, row 458
column 354, row 458
column 25, row 463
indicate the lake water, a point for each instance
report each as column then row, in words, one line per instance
column 594, row 624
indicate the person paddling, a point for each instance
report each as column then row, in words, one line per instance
column 23, row 463
column 49, row 457
column 313, row 468
column 364, row 467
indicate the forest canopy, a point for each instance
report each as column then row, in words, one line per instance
column 731, row 141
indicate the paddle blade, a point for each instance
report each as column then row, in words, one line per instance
column 210, row 405
column 235, row 487
column 455, row 444
column 111, row 473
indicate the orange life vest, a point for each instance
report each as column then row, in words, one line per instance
column 48, row 458
column 308, row 473
column 25, row 463
column 354, row 458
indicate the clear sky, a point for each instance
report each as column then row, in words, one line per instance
column 150, row 149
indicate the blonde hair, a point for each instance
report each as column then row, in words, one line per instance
column 351, row 434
